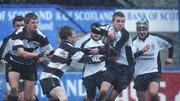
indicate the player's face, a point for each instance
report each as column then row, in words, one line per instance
column 73, row 37
column 32, row 25
column 118, row 23
column 18, row 24
column 95, row 36
column 142, row 32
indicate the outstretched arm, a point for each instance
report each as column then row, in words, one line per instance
column 169, row 60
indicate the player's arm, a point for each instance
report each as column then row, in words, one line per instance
column 121, row 42
column 46, row 47
column 18, row 46
column 109, row 34
column 169, row 60
column 93, row 50
column 167, row 43
column 69, row 53
column 21, row 52
column 139, row 53
column 81, row 57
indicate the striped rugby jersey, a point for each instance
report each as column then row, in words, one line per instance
column 62, row 58
column 38, row 42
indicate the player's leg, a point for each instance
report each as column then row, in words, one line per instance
column 21, row 96
column 153, row 91
column 7, row 81
column 21, row 90
column 85, row 98
column 116, row 90
column 13, row 80
column 106, row 84
column 59, row 93
column 103, row 92
column 51, row 88
column 112, row 96
column 141, row 86
column 153, row 86
column 29, row 90
column 121, row 81
column 147, row 82
column 29, row 76
column 142, row 95
column 90, row 86
column 14, row 74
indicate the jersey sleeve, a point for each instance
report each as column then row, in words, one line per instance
column 135, row 50
column 17, row 43
column 134, row 46
column 65, row 54
column 45, row 45
column 163, row 44
column 124, row 39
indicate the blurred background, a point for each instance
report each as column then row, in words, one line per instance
column 163, row 16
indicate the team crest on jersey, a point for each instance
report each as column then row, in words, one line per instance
column 152, row 46
column 30, row 44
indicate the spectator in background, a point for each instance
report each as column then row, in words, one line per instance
column 93, row 74
column 23, row 57
column 5, row 49
column 146, row 48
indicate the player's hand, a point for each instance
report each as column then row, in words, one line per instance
column 146, row 48
column 93, row 51
column 111, row 35
column 49, row 52
column 98, row 30
column 113, row 55
column 41, row 54
column 168, row 61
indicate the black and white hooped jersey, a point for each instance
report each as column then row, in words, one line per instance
column 6, row 46
column 62, row 58
column 147, row 62
column 90, row 69
column 120, row 43
column 38, row 42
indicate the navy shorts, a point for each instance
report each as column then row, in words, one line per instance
column 118, row 75
column 141, row 82
column 27, row 72
column 6, row 72
column 48, row 84
column 92, row 82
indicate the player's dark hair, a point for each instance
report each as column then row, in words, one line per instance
column 64, row 32
column 95, row 25
column 30, row 16
column 17, row 18
column 117, row 14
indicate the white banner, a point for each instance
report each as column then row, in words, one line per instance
column 159, row 20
